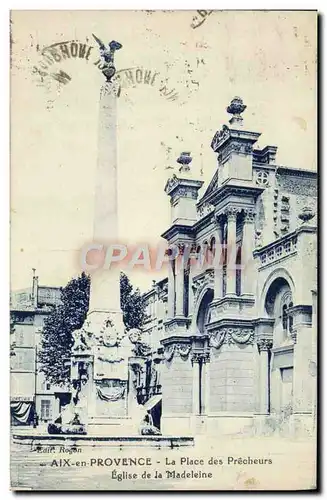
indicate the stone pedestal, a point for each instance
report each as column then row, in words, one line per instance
column 234, row 146
column 183, row 192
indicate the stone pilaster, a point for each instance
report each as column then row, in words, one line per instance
column 264, row 345
column 248, row 278
column 302, row 337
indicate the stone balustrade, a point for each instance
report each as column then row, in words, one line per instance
column 276, row 251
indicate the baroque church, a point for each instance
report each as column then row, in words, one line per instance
column 234, row 324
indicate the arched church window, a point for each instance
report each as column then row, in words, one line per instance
column 206, row 251
column 199, row 257
column 287, row 319
column 213, row 245
column 238, row 270
column 212, row 251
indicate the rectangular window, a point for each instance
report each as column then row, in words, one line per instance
column 45, row 409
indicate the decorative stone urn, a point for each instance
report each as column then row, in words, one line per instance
column 184, row 160
column 235, row 108
column 306, row 214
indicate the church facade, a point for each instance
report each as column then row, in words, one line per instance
column 239, row 336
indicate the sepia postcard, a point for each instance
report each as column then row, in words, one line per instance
column 163, row 305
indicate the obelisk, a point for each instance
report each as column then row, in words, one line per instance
column 107, row 347
column 105, row 283
column 105, row 291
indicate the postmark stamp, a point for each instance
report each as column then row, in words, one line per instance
column 51, row 66
column 199, row 19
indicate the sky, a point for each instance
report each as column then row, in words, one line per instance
column 267, row 58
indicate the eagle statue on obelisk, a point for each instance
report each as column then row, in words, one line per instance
column 107, row 54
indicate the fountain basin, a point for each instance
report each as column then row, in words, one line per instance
column 34, row 440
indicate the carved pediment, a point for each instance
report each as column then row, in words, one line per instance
column 219, row 137
column 213, row 185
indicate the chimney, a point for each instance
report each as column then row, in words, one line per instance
column 35, row 285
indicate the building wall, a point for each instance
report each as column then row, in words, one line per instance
column 27, row 382
column 156, row 313
column 177, row 386
column 232, row 379
column 23, row 362
column 22, row 385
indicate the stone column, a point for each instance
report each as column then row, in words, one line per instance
column 179, row 284
column 247, row 270
column 264, row 345
column 231, row 250
column 171, row 289
column 218, row 280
